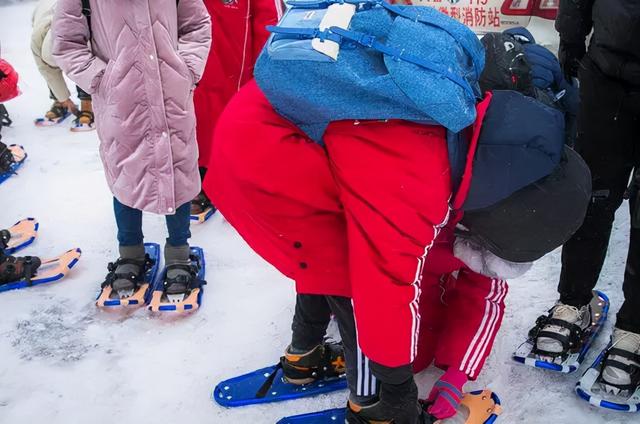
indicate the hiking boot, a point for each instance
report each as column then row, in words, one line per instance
column 322, row 362
column 621, row 365
column 13, row 269
column 200, row 204
column 128, row 272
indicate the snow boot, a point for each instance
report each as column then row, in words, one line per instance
column 180, row 274
column 322, row 362
column 127, row 273
column 561, row 332
column 85, row 120
column 13, row 269
column 396, row 404
column 621, row 365
column 200, row 204
column 59, row 112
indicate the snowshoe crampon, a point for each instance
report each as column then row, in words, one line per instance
column 109, row 298
column 571, row 360
column 269, row 385
column 11, row 160
column 49, row 271
column 591, row 388
column 479, row 407
column 191, row 299
column 21, row 235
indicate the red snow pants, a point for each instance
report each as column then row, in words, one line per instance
column 356, row 218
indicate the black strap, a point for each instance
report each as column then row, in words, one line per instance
column 266, row 386
column 5, row 236
column 86, row 11
column 137, row 278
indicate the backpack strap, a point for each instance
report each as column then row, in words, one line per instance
column 370, row 41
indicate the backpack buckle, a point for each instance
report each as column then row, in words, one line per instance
column 367, row 40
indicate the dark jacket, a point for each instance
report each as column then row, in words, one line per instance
column 615, row 44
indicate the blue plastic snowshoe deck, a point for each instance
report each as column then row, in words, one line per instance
column 590, row 390
column 244, row 390
column 338, row 415
column 27, row 241
column 50, row 271
column 153, row 250
column 525, row 356
column 192, row 301
column 13, row 169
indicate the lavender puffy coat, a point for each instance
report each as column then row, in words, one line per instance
column 146, row 57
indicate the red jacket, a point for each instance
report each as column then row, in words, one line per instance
column 238, row 37
column 8, row 81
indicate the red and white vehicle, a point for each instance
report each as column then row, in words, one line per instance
column 483, row 16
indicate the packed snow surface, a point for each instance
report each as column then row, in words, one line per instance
column 64, row 361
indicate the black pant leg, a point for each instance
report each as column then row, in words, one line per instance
column 310, row 321
column 629, row 315
column 82, row 95
column 605, row 144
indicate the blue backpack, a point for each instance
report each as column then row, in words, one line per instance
column 393, row 62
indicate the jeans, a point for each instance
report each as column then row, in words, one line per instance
column 129, row 221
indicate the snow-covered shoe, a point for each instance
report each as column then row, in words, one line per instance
column 19, row 236
column 11, row 158
column 14, row 269
column 613, row 380
column 55, row 116
column 621, row 366
column 130, row 277
column 49, row 271
column 325, row 361
column 180, row 285
column 560, row 340
column 201, row 208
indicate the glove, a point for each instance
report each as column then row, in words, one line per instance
column 570, row 55
column 446, row 394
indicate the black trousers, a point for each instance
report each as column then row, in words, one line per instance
column 609, row 141
column 310, row 322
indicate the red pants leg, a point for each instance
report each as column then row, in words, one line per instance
column 475, row 307
column 394, row 183
column 276, row 188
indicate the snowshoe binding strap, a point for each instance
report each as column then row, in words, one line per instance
column 200, row 204
column 57, row 111
column 569, row 343
column 632, row 369
column 5, row 121
column 88, row 115
column 323, row 362
column 6, row 158
column 136, row 278
column 5, row 236
column 14, row 269
column 183, row 283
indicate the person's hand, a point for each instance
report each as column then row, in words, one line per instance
column 570, row 55
column 71, row 107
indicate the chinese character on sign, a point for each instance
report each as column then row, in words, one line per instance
column 480, row 17
column 467, row 16
column 443, row 9
column 455, row 12
column 494, row 17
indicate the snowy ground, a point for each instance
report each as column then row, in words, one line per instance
column 63, row 361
